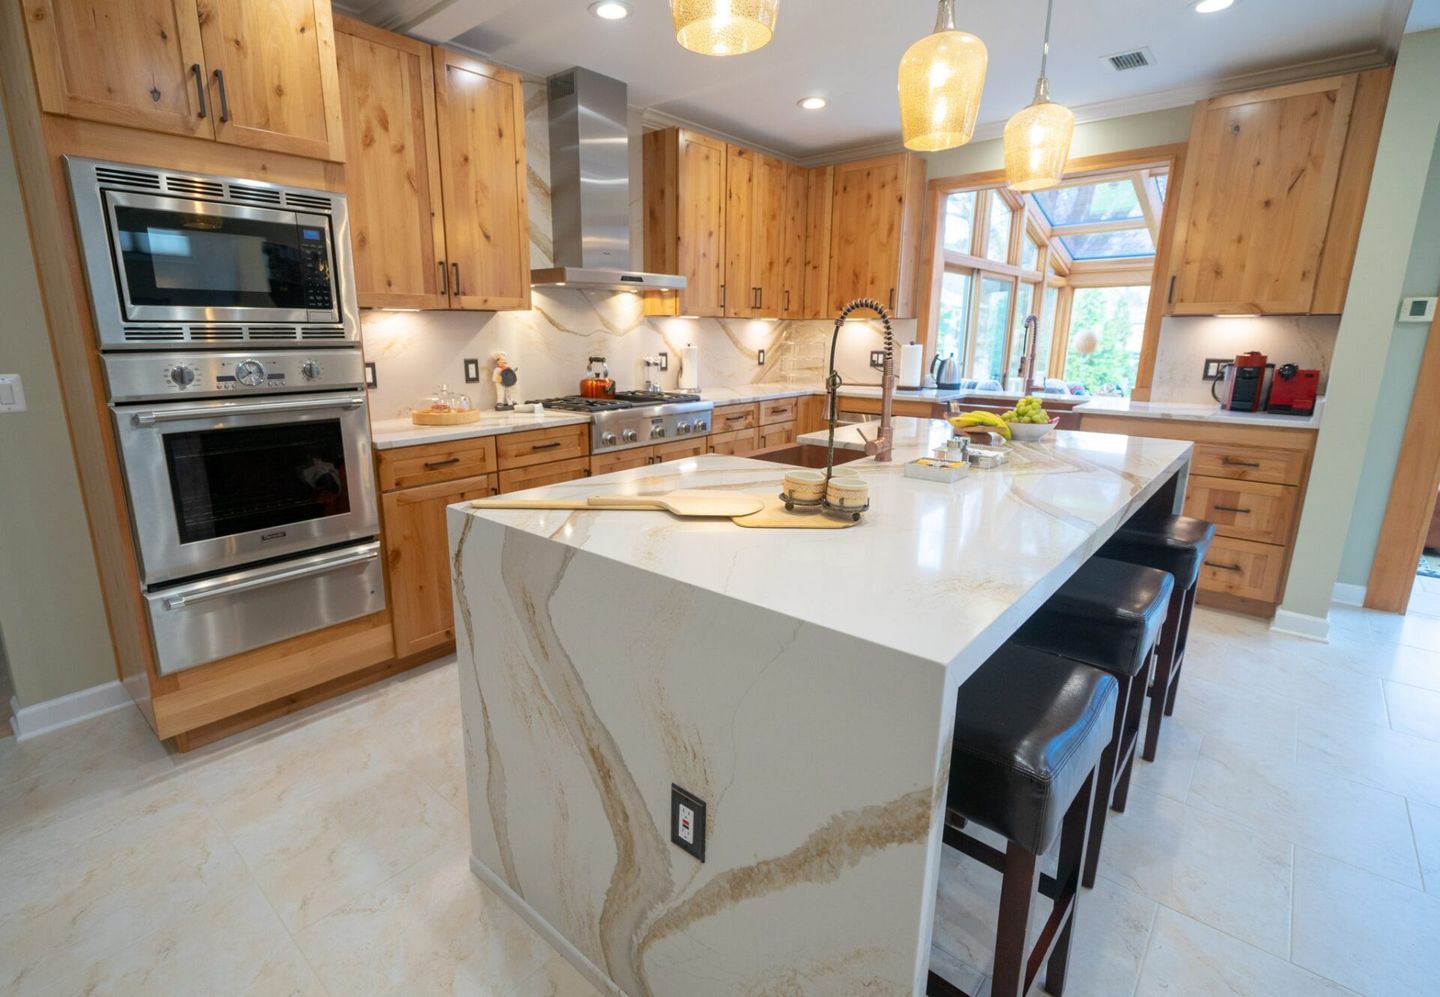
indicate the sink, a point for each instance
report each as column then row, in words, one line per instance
column 1059, row 402
column 808, row 455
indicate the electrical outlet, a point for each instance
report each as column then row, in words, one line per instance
column 472, row 370
column 664, row 360
column 372, row 380
column 877, row 359
column 760, row 357
column 12, row 393
column 1214, row 368
column 687, row 821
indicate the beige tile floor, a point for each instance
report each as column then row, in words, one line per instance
column 1286, row 842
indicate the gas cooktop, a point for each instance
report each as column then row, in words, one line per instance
column 638, row 418
column 622, row 400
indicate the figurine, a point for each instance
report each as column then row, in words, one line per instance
column 505, row 378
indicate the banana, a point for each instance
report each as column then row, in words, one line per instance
column 989, row 420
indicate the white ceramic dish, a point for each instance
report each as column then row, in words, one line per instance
column 1029, row 432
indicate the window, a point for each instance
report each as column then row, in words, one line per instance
column 1106, row 327
column 1086, row 204
column 960, row 222
column 954, row 314
column 1049, row 302
column 987, row 363
column 1024, row 305
column 997, row 230
column 1029, row 253
column 1126, row 243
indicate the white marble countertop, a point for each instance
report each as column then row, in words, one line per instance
column 941, row 572
column 1194, row 412
column 389, row 433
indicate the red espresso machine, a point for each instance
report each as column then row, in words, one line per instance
column 1294, row 389
column 1244, row 383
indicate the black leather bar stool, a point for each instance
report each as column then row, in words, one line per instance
column 1176, row 544
column 1030, row 728
column 1108, row 615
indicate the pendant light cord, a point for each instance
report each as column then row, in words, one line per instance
column 1042, row 85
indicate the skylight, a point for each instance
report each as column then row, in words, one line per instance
column 1109, row 201
column 1112, row 218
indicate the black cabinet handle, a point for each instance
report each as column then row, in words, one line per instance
column 1171, row 298
column 722, row 297
column 434, row 465
column 892, row 299
column 1232, row 462
column 1223, row 567
column 1231, row 508
column 200, row 90
column 224, row 96
column 444, row 279
column 787, row 299
column 545, row 446
column 455, row 273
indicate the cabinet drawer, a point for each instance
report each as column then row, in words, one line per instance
column 740, row 443
column 542, row 446
column 621, row 460
column 1244, row 568
column 405, row 467
column 1269, row 464
column 1246, row 510
column 544, row 474
column 779, row 410
column 776, row 436
column 679, row 450
column 728, row 418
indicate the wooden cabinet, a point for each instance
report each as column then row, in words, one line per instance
column 679, row 450
column 778, row 410
column 535, row 475
column 819, row 184
column 540, row 446
column 754, row 234
column 397, row 236
column 660, row 453
column 417, row 558
column 481, row 111
column 1247, row 510
column 260, row 75
column 739, row 443
column 726, row 418
column 875, row 232
column 1249, row 463
column 1264, row 224
column 406, row 467
column 1244, row 569
column 685, row 216
column 775, row 436
column 796, row 229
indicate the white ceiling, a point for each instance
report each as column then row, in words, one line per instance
column 848, row 51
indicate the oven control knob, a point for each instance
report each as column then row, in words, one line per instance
column 682, row 428
column 607, row 439
column 181, row 376
column 250, row 372
column 629, row 436
column 311, row 370
column 700, row 426
column 658, row 433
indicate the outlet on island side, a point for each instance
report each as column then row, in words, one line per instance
column 687, row 821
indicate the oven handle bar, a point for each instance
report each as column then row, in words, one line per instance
column 184, row 412
column 179, row 601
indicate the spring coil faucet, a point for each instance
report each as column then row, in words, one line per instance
column 880, row 447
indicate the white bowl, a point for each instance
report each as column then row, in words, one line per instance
column 1029, row 432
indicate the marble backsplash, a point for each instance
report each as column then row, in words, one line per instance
column 1185, row 343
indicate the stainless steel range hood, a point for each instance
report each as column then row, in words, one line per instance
column 590, row 188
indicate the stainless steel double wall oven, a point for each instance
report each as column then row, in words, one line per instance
column 229, row 333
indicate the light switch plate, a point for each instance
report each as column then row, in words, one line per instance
column 12, row 393
column 372, row 380
column 1417, row 309
column 472, row 370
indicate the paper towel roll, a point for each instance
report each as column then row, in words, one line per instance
column 690, row 369
column 912, row 365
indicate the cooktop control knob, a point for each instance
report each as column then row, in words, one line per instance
column 607, row 439
column 250, row 372
column 657, row 433
column 181, row 376
column 682, row 428
column 629, row 436
column 700, row 426
column 311, row 370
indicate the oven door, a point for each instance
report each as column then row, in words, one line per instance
column 218, row 485
column 196, row 622
column 181, row 260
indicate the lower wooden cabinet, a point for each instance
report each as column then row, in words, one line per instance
column 621, row 460
column 536, row 475
column 1246, row 510
column 774, row 437
column 417, row 557
column 1244, row 569
column 740, row 443
column 679, row 450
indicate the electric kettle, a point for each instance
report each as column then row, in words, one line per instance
column 946, row 371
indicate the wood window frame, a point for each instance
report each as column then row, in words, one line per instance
column 934, row 259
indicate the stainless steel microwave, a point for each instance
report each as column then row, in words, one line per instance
column 196, row 261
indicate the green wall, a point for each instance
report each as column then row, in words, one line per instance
column 1348, row 430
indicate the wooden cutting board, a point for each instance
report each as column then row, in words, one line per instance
column 774, row 517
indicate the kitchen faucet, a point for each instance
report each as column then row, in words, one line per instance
column 1027, row 355
column 880, row 447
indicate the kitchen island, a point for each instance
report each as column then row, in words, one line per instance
column 801, row 683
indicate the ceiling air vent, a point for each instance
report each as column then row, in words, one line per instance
column 1134, row 59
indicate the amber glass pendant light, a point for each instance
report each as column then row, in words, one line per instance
column 724, row 27
column 1037, row 139
column 941, row 77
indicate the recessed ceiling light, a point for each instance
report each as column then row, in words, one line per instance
column 614, row 10
column 811, row 103
column 1211, row 6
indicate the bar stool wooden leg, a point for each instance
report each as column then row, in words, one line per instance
column 1105, row 781
column 1139, row 688
column 1183, row 639
column 1017, row 894
column 1160, row 685
column 1074, row 847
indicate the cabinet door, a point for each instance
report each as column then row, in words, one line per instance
column 1260, row 178
column 819, row 191
column 137, row 63
column 701, row 192
column 738, row 293
column 797, row 202
column 679, row 450
column 481, row 113
column 417, row 551
column 273, row 82
column 621, row 460
column 875, row 214
column 536, row 475
column 392, row 168
column 767, row 237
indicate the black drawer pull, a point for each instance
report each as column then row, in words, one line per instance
column 444, row 279
column 435, row 465
column 455, row 271
column 1232, row 462
column 737, row 418
column 1224, row 567
column 1232, row 508
column 546, row 446
column 224, row 96
column 200, row 90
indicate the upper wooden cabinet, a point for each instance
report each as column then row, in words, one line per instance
column 1275, row 182
column 435, row 177
column 255, row 74
column 685, row 215
column 481, row 113
column 797, row 230
column 754, row 234
column 875, row 232
column 392, row 171
column 819, row 188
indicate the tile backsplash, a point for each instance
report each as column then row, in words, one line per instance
column 1185, row 343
